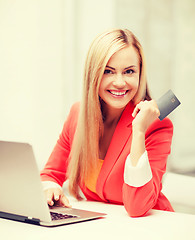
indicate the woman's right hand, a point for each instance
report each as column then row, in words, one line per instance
column 144, row 114
column 55, row 196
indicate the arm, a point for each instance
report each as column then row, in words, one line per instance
column 145, row 113
column 139, row 196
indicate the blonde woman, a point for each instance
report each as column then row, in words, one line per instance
column 113, row 146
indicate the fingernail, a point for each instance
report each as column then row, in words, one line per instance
column 56, row 198
column 50, row 203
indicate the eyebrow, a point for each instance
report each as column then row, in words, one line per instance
column 132, row 66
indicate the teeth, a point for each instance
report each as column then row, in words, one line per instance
column 118, row 93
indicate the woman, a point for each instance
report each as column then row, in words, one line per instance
column 112, row 146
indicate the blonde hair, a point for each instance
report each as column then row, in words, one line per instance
column 85, row 149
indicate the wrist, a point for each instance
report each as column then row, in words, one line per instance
column 137, row 145
column 138, row 130
column 49, row 184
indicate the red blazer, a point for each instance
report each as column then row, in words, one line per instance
column 110, row 183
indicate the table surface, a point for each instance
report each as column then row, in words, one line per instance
column 116, row 225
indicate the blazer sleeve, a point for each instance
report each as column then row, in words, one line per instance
column 139, row 200
column 56, row 167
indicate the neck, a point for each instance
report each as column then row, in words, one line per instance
column 111, row 116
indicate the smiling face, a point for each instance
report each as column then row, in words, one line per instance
column 120, row 81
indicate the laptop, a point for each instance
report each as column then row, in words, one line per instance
column 22, row 196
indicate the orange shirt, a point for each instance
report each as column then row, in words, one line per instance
column 91, row 181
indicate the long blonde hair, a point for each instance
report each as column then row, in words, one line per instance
column 85, row 149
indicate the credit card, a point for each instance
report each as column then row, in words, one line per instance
column 167, row 103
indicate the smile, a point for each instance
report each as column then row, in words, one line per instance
column 118, row 93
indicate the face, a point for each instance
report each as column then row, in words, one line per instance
column 120, row 81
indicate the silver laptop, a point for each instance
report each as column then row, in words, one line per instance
column 22, row 197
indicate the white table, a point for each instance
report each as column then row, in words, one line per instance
column 116, row 225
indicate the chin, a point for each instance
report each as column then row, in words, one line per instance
column 119, row 106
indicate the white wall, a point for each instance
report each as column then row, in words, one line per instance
column 184, row 84
column 33, row 87
column 42, row 47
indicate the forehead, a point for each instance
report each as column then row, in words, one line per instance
column 126, row 56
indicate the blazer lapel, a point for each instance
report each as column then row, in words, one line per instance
column 119, row 139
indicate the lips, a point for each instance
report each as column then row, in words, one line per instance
column 118, row 93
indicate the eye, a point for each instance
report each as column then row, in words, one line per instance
column 107, row 71
column 129, row 71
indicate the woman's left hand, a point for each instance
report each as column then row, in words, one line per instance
column 144, row 114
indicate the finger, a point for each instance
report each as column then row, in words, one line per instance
column 49, row 194
column 136, row 109
column 157, row 108
column 64, row 201
column 56, row 194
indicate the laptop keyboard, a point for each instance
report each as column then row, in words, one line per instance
column 59, row 216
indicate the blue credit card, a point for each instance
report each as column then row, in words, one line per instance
column 167, row 103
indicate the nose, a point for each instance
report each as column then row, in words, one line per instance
column 119, row 81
